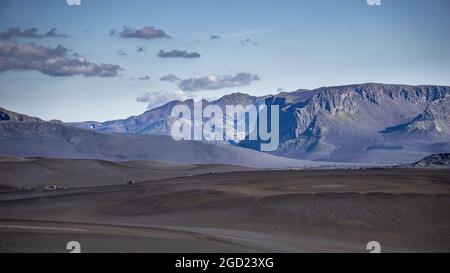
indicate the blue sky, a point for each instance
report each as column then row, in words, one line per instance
column 286, row 44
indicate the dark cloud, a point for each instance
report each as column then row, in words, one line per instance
column 146, row 33
column 31, row 33
column 55, row 62
column 141, row 49
column 213, row 37
column 121, row 53
column 28, row 33
column 54, row 33
column 144, row 78
column 248, row 41
column 170, row 78
column 13, row 32
column 213, row 82
column 178, row 54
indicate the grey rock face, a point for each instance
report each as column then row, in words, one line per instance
column 432, row 124
column 357, row 123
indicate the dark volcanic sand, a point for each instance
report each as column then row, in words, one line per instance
column 406, row 210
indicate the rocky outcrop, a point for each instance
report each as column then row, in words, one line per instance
column 434, row 161
column 6, row 115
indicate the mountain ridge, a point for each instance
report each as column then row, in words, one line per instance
column 318, row 124
column 7, row 115
column 362, row 123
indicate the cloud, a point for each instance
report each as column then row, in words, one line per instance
column 213, row 82
column 121, row 53
column 178, row 54
column 56, row 62
column 54, row 33
column 146, row 33
column 170, row 78
column 144, row 78
column 141, row 49
column 31, row 33
column 213, row 37
column 248, row 41
column 156, row 99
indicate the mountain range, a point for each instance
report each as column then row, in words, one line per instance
column 363, row 123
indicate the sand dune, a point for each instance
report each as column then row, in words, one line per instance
column 56, row 140
column 32, row 173
column 252, row 211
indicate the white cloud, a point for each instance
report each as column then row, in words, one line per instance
column 156, row 99
column 214, row 82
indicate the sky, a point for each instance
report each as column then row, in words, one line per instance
column 110, row 59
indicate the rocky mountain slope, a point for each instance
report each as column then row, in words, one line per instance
column 6, row 115
column 355, row 123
